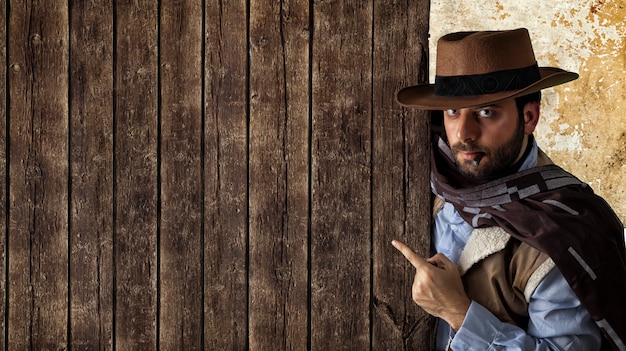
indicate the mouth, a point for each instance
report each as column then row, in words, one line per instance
column 472, row 157
column 468, row 155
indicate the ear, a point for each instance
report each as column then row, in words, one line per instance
column 531, row 117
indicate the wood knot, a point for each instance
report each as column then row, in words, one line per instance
column 35, row 39
column 34, row 172
column 283, row 273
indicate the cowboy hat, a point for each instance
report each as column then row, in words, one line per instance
column 482, row 68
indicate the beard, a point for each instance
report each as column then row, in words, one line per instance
column 491, row 162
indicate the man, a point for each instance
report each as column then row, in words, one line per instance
column 526, row 257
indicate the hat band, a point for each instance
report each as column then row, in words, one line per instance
column 489, row 83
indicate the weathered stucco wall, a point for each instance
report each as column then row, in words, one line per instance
column 583, row 126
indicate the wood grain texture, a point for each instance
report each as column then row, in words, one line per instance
column 226, row 175
column 91, row 166
column 401, row 174
column 220, row 175
column 279, row 182
column 38, row 173
column 3, row 174
column 341, row 175
column 180, row 264
column 136, row 182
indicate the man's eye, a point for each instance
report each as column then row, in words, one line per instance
column 485, row 113
column 451, row 112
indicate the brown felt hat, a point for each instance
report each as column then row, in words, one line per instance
column 481, row 68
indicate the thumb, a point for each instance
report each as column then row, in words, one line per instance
column 441, row 261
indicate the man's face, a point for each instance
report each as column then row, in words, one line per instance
column 485, row 140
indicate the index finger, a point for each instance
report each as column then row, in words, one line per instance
column 410, row 255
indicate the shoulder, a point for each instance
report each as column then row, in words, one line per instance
column 543, row 159
column 438, row 203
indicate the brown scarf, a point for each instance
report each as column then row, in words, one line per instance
column 556, row 213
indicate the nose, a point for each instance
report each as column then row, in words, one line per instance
column 467, row 128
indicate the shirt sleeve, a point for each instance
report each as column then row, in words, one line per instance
column 558, row 321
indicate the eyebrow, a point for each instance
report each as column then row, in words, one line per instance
column 477, row 108
column 495, row 106
column 487, row 106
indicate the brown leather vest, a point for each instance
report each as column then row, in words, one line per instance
column 501, row 273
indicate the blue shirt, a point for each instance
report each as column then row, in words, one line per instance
column 557, row 319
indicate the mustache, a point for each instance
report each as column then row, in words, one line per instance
column 466, row 147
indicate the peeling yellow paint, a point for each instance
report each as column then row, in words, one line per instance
column 583, row 124
column 601, row 92
column 500, row 9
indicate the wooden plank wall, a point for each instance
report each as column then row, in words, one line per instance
column 211, row 175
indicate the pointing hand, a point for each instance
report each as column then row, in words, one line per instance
column 437, row 286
